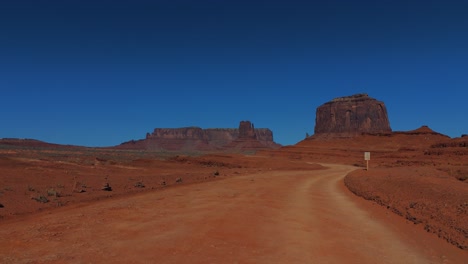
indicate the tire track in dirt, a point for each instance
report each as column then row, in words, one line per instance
column 344, row 228
column 266, row 217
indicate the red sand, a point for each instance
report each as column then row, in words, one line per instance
column 275, row 206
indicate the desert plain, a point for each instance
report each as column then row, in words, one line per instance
column 312, row 202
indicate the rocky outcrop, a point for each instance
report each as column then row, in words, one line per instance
column 350, row 116
column 219, row 137
column 252, row 139
column 423, row 130
column 265, row 136
column 246, row 130
column 198, row 139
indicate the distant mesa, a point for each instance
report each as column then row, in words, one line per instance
column 423, row 130
column 350, row 116
column 246, row 137
column 33, row 143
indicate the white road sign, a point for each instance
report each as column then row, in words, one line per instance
column 366, row 155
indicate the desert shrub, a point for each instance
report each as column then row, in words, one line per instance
column 41, row 199
column 53, row 192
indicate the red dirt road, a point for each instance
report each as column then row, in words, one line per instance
column 266, row 217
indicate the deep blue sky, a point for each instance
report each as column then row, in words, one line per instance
column 97, row 73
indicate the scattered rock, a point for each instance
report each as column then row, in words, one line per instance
column 179, row 180
column 107, row 187
column 163, row 183
column 41, row 199
column 100, row 159
column 462, row 177
column 79, row 187
column 53, row 192
column 139, row 185
column 1, row 205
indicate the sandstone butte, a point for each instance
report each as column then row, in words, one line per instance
column 350, row 116
column 244, row 138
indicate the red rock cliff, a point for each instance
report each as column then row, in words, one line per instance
column 351, row 115
column 252, row 139
column 198, row 139
column 246, row 130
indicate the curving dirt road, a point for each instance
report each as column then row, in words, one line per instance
column 267, row 217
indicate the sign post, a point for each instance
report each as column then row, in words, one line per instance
column 367, row 158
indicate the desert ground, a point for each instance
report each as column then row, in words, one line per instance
column 313, row 202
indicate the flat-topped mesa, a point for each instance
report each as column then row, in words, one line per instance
column 198, row 139
column 183, row 132
column 350, row 116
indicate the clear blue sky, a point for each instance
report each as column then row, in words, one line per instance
column 98, row 73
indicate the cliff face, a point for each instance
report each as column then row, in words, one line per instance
column 219, row 137
column 352, row 115
column 198, row 139
column 250, row 138
column 194, row 133
column 246, row 130
column 265, row 136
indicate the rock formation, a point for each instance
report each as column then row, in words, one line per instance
column 350, row 116
column 423, row 130
column 250, row 138
column 246, row 130
column 198, row 139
